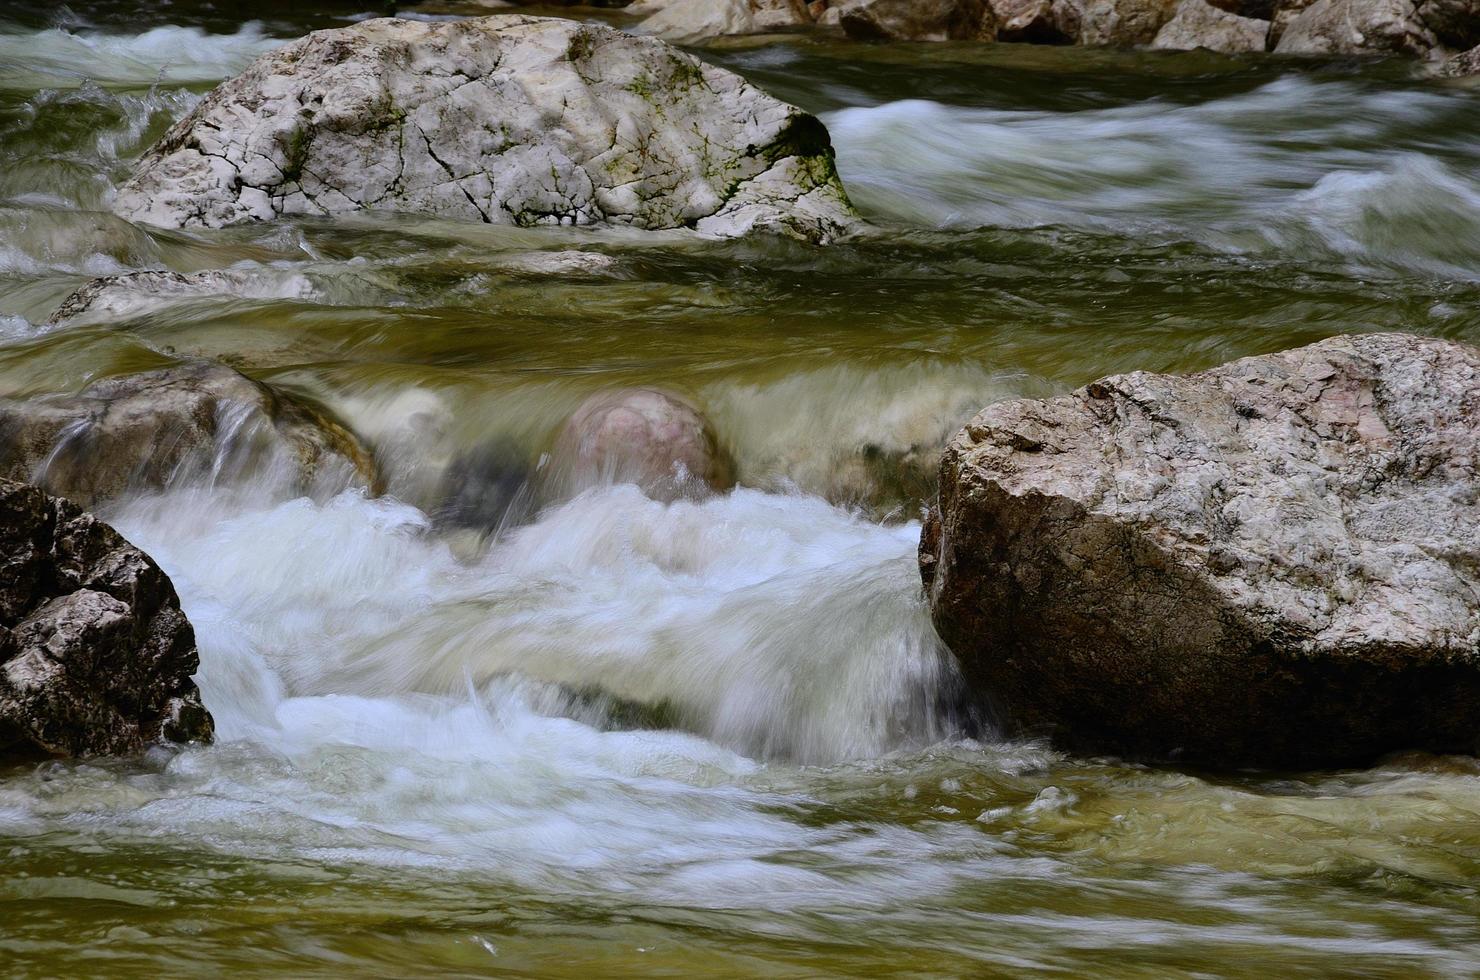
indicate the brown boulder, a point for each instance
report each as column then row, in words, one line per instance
column 1272, row 563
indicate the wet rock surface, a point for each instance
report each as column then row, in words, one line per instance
column 505, row 119
column 132, row 293
column 193, row 422
column 644, row 436
column 95, row 655
column 1274, row 563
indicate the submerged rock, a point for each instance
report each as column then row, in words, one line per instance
column 643, row 436
column 133, row 293
column 506, row 119
column 1357, row 27
column 187, row 423
column 96, row 657
column 918, row 20
column 1275, row 562
column 1199, row 24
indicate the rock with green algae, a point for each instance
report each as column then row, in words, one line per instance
column 505, row 119
column 96, row 657
column 1273, row 563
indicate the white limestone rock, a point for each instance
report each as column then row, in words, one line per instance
column 504, row 119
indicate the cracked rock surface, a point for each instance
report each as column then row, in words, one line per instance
column 95, row 655
column 505, row 119
column 1276, row 562
column 193, row 422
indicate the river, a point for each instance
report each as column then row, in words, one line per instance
column 716, row 737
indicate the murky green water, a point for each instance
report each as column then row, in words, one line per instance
column 406, row 783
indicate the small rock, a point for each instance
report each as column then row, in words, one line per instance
column 643, row 436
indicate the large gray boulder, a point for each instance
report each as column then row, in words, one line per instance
column 194, row 422
column 95, row 655
column 507, row 120
column 1198, row 24
column 1375, row 27
column 1276, row 562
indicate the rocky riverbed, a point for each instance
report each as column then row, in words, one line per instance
column 538, row 425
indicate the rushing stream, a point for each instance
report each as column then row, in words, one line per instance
column 718, row 736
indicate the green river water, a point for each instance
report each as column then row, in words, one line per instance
column 717, row 737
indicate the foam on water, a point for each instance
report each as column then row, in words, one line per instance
column 379, row 701
column 59, row 57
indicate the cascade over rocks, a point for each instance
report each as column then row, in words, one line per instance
column 644, row 436
column 95, row 655
column 190, row 422
column 505, row 119
column 1274, row 563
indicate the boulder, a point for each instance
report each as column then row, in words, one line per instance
column 1122, row 23
column 919, row 20
column 1273, row 563
column 1285, row 12
column 505, row 119
column 639, row 435
column 1376, row 27
column 693, row 21
column 192, row 422
column 96, row 657
column 1198, row 24
column 1462, row 65
column 132, row 293
column 1456, row 23
column 1037, row 21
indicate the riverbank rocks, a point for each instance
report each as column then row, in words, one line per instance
column 1329, row 27
column 193, row 422
column 1273, row 563
column 693, row 21
column 1462, row 65
column 644, row 436
column 96, row 657
column 918, row 20
column 1198, row 24
column 505, row 119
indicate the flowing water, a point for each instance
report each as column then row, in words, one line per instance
column 717, row 736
